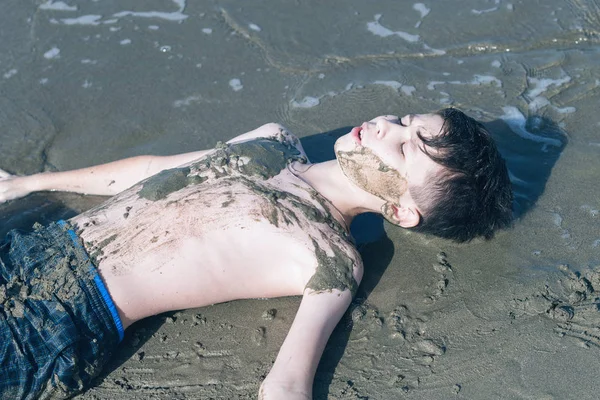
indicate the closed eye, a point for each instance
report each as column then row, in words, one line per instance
column 402, row 149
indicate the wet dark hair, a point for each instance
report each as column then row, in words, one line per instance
column 472, row 197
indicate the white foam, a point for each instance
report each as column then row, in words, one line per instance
column 408, row 90
column 541, row 85
column 496, row 64
column 187, row 101
column 83, row 20
column 479, row 12
column 43, row 81
column 54, row 52
column 57, row 6
column 379, row 30
column 477, row 80
column 321, row 76
column 10, row 73
column 422, row 8
column 565, row 110
column 236, row 84
column 486, row 79
column 349, row 86
column 172, row 16
column 208, row 31
column 88, row 61
column 125, row 42
column 434, row 51
column 306, row 102
column 86, row 84
column 516, row 120
column 254, row 27
column 431, row 85
column 538, row 103
column 393, row 84
column 153, row 27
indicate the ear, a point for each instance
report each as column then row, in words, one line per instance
column 404, row 216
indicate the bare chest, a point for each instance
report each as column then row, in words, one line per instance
column 207, row 243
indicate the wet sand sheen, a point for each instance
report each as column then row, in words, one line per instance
column 513, row 318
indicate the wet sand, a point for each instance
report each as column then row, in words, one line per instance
column 515, row 318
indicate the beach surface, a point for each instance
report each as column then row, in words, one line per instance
column 518, row 317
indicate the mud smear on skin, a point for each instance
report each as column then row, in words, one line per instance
column 97, row 249
column 265, row 159
column 261, row 158
column 489, row 354
column 251, row 164
column 166, row 182
column 333, row 272
column 370, row 173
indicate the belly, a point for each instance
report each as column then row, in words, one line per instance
column 202, row 248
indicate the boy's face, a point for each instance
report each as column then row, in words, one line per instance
column 385, row 155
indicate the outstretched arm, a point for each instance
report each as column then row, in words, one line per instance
column 111, row 178
column 293, row 373
column 105, row 179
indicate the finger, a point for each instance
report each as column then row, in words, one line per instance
column 4, row 174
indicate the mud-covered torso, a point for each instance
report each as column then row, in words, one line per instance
column 237, row 213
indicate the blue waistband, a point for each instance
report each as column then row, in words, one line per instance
column 98, row 281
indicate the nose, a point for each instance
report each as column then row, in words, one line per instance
column 385, row 127
column 390, row 130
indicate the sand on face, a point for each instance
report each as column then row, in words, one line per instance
column 516, row 317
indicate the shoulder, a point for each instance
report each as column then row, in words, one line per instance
column 272, row 131
column 338, row 265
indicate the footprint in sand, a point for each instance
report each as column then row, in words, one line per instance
column 574, row 304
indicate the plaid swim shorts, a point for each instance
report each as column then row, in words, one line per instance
column 58, row 324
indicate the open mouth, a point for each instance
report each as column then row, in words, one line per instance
column 357, row 134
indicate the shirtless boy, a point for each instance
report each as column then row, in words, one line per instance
column 179, row 229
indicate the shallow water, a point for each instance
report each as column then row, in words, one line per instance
column 89, row 82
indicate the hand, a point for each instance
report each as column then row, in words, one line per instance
column 11, row 187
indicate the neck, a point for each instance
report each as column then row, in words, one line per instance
column 328, row 179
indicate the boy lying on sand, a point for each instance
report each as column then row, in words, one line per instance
column 251, row 218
